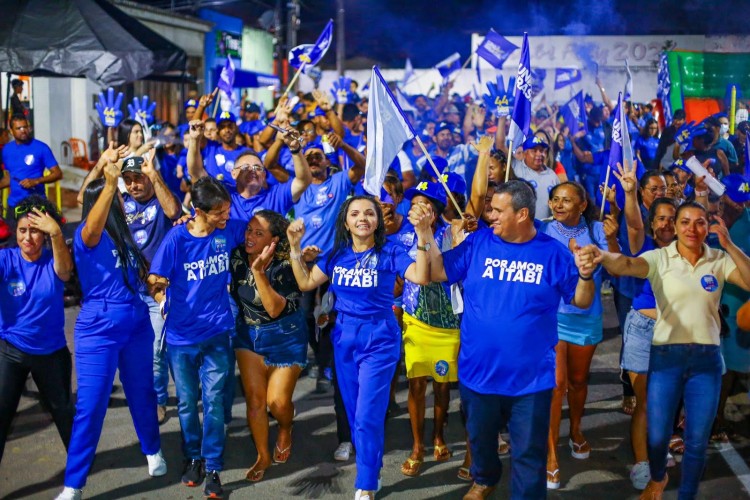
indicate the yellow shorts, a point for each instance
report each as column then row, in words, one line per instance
column 430, row 351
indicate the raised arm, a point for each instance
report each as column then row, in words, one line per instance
column 97, row 217
column 741, row 275
column 63, row 262
column 357, row 170
column 325, row 104
column 164, row 196
column 419, row 272
column 96, row 172
column 194, row 158
column 636, row 231
column 273, row 302
column 306, row 279
column 475, row 206
column 204, row 102
column 302, row 174
column 617, row 263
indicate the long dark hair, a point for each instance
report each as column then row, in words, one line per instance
column 117, row 229
column 124, row 130
column 343, row 238
column 277, row 225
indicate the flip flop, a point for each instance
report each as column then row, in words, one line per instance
column 464, row 474
column 442, row 453
column 255, row 475
column 281, row 456
column 411, row 467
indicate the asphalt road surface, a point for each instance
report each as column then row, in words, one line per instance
column 34, row 460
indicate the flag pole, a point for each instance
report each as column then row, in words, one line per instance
column 288, row 87
column 439, row 177
column 604, row 193
column 466, row 63
column 510, row 155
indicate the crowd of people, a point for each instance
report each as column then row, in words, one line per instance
column 248, row 242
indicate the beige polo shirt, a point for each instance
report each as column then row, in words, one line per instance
column 687, row 297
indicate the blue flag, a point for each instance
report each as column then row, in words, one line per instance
column 621, row 151
column 449, row 65
column 566, row 76
column 226, row 85
column 747, row 156
column 306, row 55
column 573, row 114
column 387, row 131
column 520, row 119
column 663, row 87
column 495, row 49
column 408, row 72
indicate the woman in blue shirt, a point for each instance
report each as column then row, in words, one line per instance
column 579, row 330
column 647, row 144
column 362, row 269
column 113, row 330
column 32, row 335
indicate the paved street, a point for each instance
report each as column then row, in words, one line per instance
column 35, row 458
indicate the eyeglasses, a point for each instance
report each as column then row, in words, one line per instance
column 20, row 210
column 247, row 166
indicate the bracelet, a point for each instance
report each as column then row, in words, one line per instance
column 701, row 193
column 581, row 277
column 295, row 256
column 295, row 151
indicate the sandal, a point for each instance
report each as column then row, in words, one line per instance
column 579, row 451
column 503, row 448
column 719, row 437
column 281, row 456
column 628, row 405
column 411, row 466
column 464, row 474
column 553, row 479
column 676, row 445
column 441, row 453
column 255, row 475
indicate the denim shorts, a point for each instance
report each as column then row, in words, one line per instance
column 636, row 342
column 281, row 343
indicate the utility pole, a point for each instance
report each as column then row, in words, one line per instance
column 292, row 25
column 340, row 43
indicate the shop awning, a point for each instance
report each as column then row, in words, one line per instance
column 83, row 38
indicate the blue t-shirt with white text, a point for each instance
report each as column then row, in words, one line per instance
column 147, row 223
column 26, row 161
column 318, row 207
column 218, row 162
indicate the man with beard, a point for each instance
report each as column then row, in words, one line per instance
column 25, row 160
column 457, row 155
column 218, row 157
column 250, row 191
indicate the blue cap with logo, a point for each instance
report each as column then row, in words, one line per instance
column 443, row 126
column 316, row 112
column 533, row 141
column 226, row 116
column 455, row 182
column 738, row 187
column 431, row 190
column 680, row 163
column 253, row 127
column 191, row 103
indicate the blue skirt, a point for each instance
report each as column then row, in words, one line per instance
column 579, row 329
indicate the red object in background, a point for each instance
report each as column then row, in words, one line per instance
column 4, row 230
column 699, row 109
column 659, row 113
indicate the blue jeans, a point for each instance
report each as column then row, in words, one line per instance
column 527, row 417
column 691, row 372
column 202, row 367
column 161, row 368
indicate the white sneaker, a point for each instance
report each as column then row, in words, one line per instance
column 157, row 466
column 69, row 493
column 670, row 460
column 640, row 475
column 364, row 495
column 343, row 452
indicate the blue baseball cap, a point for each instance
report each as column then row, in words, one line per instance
column 316, row 112
column 253, row 127
column 385, row 197
column 316, row 144
column 191, row 103
column 738, row 187
column 533, row 141
column 681, row 165
column 226, row 116
column 455, row 182
column 443, row 126
column 431, row 190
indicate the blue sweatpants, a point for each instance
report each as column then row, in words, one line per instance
column 366, row 351
column 107, row 337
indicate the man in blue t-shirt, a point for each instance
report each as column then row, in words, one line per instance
column 25, row 161
column 506, row 365
column 250, row 191
column 218, row 157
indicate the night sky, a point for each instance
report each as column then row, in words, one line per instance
column 388, row 31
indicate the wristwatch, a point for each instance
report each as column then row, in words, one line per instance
column 425, row 248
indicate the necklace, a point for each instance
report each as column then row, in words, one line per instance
column 570, row 232
column 365, row 258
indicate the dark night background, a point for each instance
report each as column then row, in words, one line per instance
column 389, row 31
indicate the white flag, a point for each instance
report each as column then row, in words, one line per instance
column 387, row 131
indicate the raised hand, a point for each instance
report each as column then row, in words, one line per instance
column 43, row 222
column 112, row 172
column 195, row 131
column 141, row 111
column 322, row 100
column 206, row 99
column 310, row 253
column 627, row 177
column 478, row 115
column 610, row 226
column 109, row 109
column 685, row 134
column 500, row 99
column 294, row 233
column 147, row 167
column 340, row 90
column 261, row 262
column 421, row 218
column 291, row 138
column 334, row 140
column 720, row 230
column 484, row 144
column 114, row 154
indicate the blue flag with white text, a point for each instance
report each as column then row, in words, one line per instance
column 520, row 119
column 387, row 131
column 226, row 85
column 566, row 76
column 620, row 151
column 495, row 49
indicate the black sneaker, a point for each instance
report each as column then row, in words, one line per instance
column 213, row 485
column 193, row 474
